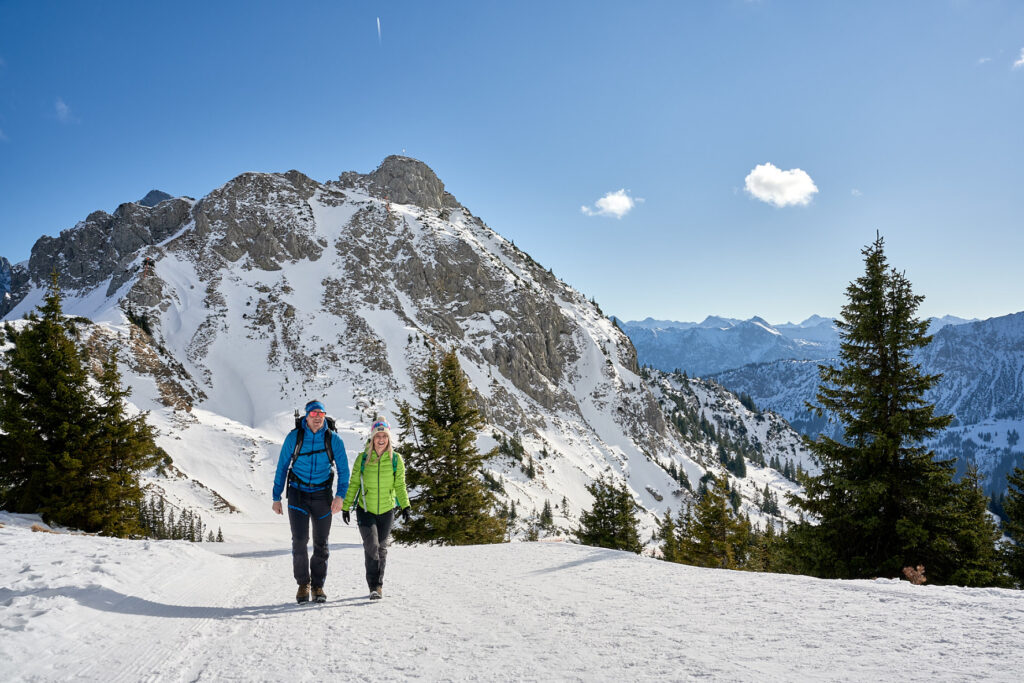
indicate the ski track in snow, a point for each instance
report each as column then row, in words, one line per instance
column 86, row 608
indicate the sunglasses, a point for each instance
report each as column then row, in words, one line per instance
column 317, row 413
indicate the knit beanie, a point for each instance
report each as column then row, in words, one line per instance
column 381, row 425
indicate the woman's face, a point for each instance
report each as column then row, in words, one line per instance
column 380, row 442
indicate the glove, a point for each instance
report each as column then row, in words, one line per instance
column 346, row 516
column 405, row 515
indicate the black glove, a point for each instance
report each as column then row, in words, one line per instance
column 346, row 516
column 405, row 515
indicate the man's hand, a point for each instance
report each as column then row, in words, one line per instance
column 345, row 516
column 336, row 505
column 405, row 515
column 276, row 507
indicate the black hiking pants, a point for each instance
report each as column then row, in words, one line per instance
column 307, row 508
column 375, row 530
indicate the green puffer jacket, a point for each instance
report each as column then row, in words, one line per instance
column 377, row 485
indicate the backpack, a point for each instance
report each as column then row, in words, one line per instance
column 300, row 427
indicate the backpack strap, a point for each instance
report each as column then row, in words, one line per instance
column 328, row 447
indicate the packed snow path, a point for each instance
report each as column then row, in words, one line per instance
column 83, row 608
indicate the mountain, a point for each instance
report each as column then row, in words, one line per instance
column 154, row 197
column 5, row 278
column 275, row 288
column 982, row 368
column 718, row 344
column 13, row 284
column 110, row 609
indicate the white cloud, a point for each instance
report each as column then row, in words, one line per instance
column 614, row 204
column 856, row 193
column 778, row 187
column 63, row 111
column 984, row 60
column 1020, row 62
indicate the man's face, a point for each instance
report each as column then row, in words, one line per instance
column 315, row 419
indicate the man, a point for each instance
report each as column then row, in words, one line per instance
column 308, row 473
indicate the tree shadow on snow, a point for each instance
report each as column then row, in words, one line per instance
column 107, row 600
column 284, row 551
column 598, row 555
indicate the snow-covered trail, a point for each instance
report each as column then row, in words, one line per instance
column 83, row 608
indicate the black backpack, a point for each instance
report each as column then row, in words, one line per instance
column 300, row 427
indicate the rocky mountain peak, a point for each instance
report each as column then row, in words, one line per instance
column 154, row 197
column 404, row 180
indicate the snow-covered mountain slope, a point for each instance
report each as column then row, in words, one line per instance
column 722, row 428
column 982, row 368
column 91, row 609
column 275, row 288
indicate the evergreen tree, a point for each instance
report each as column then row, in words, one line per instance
column 68, row 455
column 47, row 415
column 451, row 505
column 668, row 532
column 882, row 500
column 123, row 448
column 977, row 561
column 715, row 537
column 612, row 522
column 547, row 516
column 1013, row 525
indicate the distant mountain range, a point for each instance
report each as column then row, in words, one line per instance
column 981, row 363
column 718, row 344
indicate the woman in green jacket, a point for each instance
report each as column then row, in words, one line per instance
column 377, row 488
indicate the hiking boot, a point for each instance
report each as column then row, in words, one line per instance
column 380, row 591
column 374, row 595
column 319, row 595
column 303, row 594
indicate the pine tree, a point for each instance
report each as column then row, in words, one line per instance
column 46, row 414
column 882, row 499
column 612, row 522
column 69, row 455
column 976, row 561
column 547, row 516
column 1013, row 525
column 123, row 448
column 668, row 532
column 715, row 537
column 450, row 502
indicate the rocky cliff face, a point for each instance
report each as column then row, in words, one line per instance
column 14, row 284
column 105, row 246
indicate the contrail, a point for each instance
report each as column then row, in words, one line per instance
column 378, row 30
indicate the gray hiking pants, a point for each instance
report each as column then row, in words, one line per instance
column 375, row 530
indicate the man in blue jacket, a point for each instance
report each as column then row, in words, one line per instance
column 307, row 471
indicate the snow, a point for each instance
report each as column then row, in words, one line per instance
column 87, row 608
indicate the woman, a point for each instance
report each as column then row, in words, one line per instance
column 377, row 488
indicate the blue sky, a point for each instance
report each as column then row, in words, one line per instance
column 669, row 159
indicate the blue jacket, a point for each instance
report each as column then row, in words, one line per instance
column 312, row 465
